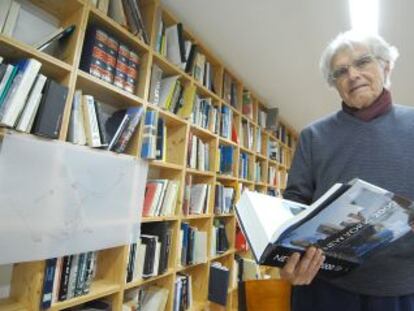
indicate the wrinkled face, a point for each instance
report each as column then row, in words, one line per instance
column 358, row 76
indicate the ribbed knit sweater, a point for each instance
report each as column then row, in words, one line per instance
column 341, row 147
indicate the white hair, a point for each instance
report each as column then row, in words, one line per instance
column 348, row 40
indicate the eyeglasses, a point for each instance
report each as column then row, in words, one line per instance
column 359, row 64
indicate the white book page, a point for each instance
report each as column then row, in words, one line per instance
column 58, row 198
column 261, row 215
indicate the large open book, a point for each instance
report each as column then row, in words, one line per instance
column 349, row 222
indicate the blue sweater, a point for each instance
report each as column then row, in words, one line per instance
column 341, row 147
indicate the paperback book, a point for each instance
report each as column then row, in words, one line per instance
column 349, row 223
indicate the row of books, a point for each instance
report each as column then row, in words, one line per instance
column 247, row 104
column 128, row 14
column 230, row 90
column 198, row 153
column 154, row 138
column 183, row 292
column 219, row 240
column 205, row 114
column 284, row 135
column 247, row 134
column 67, row 277
column 169, row 94
column 224, row 199
column 100, row 125
column 226, row 159
column 160, row 197
column 258, row 171
column 33, row 26
column 226, row 122
column 146, row 298
column 192, row 246
column 199, row 198
column 29, row 101
column 244, row 166
column 170, row 43
column 149, row 256
column 274, row 150
column 274, row 176
column 107, row 58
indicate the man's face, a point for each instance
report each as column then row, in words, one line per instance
column 359, row 76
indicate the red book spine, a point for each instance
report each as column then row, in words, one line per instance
column 121, row 67
column 111, row 57
column 98, row 62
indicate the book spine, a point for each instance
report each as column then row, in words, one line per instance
column 92, row 121
column 127, row 133
column 132, row 72
column 26, row 119
column 64, row 280
column 121, row 68
column 49, row 277
column 121, row 128
column 16, row 98
column 110, row 59
column 94, row 55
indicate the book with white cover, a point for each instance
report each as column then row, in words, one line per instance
column 200, row 247
column 76, row 133
column 154, row 299
column 93, row 137
column 17, row 95
column 349, row 222
column 28, row 115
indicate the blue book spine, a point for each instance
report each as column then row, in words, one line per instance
column 46, row 301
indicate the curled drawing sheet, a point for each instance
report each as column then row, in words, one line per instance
column 58, row 199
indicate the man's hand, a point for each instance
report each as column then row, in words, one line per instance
column 302, row 271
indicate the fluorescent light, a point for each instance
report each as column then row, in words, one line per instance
column 364, row 15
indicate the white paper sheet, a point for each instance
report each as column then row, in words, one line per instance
column 58, row 199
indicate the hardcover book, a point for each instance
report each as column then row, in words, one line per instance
column 349, row 222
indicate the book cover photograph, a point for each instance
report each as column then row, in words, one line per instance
column 349, row 223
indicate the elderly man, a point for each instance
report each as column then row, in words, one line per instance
column 370, row 138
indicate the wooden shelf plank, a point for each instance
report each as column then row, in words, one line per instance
column 99, row 289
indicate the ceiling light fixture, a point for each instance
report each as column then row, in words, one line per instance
column 364, row 15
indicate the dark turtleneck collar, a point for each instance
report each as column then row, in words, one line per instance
column 380, row 106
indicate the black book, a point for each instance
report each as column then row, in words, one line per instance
column 190, row 246
column 93, row 58
column 109, row 119
column 50, row 112
column 218, row 284
column 181, row 41
column 163, row 231
column 191, row 58
column 350, row 222
column 60, row 34
column 151, row 244
column 272, row 119
column 49, row 276
column 131, row 262
column 64, row 280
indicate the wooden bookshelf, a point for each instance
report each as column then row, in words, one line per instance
column 109, row 283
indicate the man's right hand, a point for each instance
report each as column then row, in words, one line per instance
column 301, row 271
